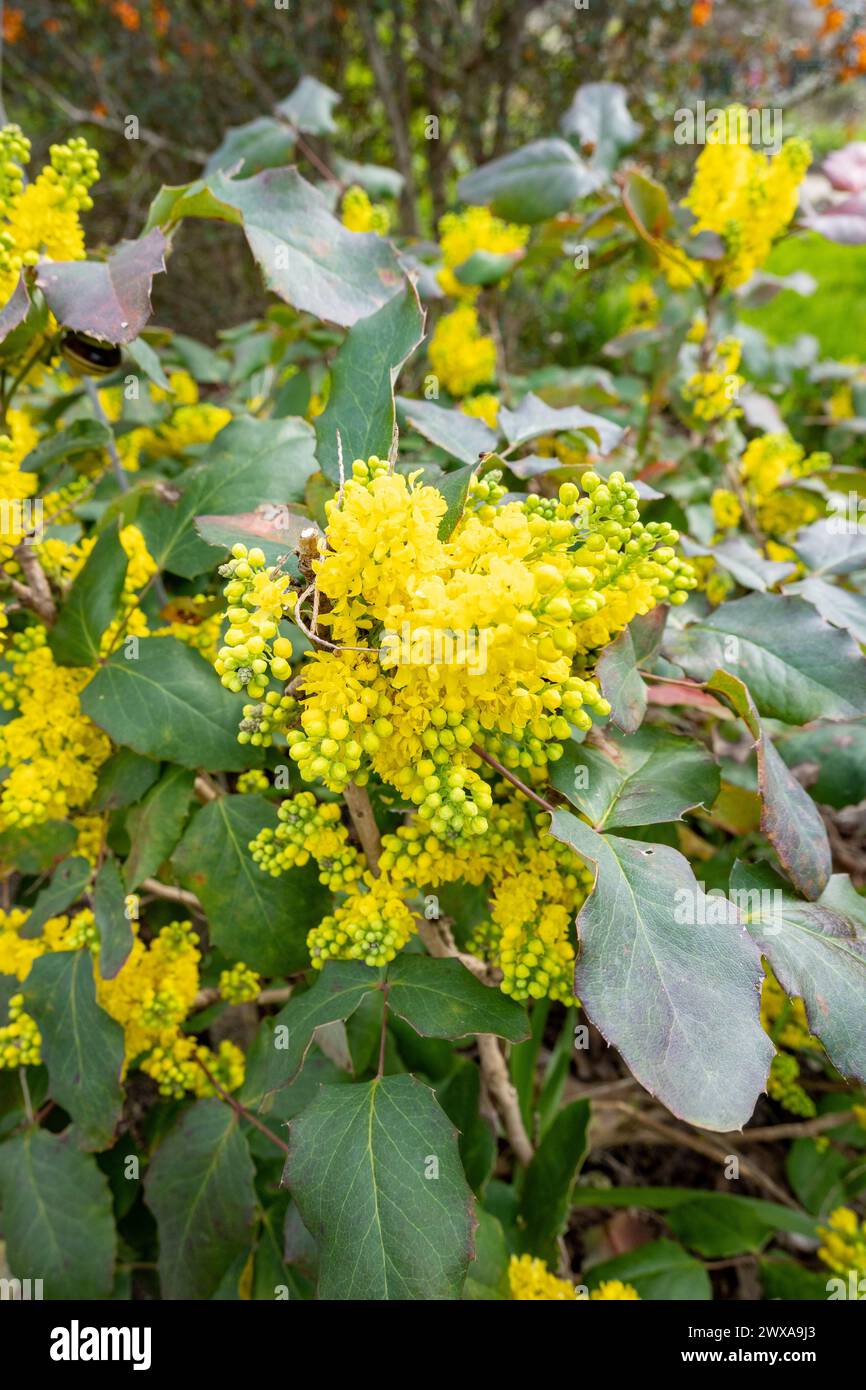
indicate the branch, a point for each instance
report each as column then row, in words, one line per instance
column 361, row 815
column 501, row 1088
column 514, row 780
column 241, row 1110
column 36, row 593
column 172, row 894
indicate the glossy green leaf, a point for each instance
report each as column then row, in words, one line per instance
column 550, row 1177
column 533, row 417
column 442, row 999
column 659, row 1271
column 335, row 994
column 462, row 436
column 831, row 758
column 262, row 143
column 167, row 703
column 82, row 1046
column 200, row 1189
column 91, row 603
column 679, row 1000
column 376, row 1174
column 643, row 778
column 619, row 664
column 253, row 917
column 58, row 1223
column 156, row 824
column 532, row 183
column 109, row 912
column 361, row 401
column 309, row 107
column 68, row 882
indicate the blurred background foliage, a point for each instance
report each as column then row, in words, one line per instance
column 494, row 73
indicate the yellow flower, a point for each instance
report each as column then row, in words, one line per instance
column 531, row 1281
column 360, row 215
column 239, row 984
column 41, row 219
column 610, row 1289
column 844, row 1246
column 713, row 393
column 726, row 509
column 461, row 234
column 460, row 355
column 484, row 406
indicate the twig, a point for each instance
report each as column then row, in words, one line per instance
column 501, row 1088
column 514, row 780
column 206, row 997
column 383, row 1035
column 172, row 894
column 241, row 1110
column 28, row 1104
column 807, row 1129
column 36, row 593
column 361, row 815
column 205, row 789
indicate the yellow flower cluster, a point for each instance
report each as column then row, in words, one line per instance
column 713, row 393
column 239, row 984
column 784, row 1086
column 746, row 197
column 461, row 356
column 484, row 406
column 309, row 829
column 20, row 1039
column 191, row 422
column 253, row 781
column 253, row 651
column 785, row 1019
column 52, row 751
column 371, row 926
column 727, row 511
column 41, row 219
column 149, row 997
column 531, row 1281
column 359, row 214
column 844, row 1240
column 461, row 234
column 644, row 306
column 16, row 485
column 768, row 466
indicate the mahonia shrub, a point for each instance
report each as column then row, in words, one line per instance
column 416, row 746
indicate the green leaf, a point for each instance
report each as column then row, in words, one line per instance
column 91, row 603
column 659, row 1271
column 835, row 755
column 109, row 299
column 636, row 779
column 532, row 183
column 200, row 1189
column 460, row 1097
column 817, row 1175
column 68, row 882
column 156, row 824
column 35, row 848
column 81, row 437
column 143, row 356
column 550, row 1177
column 783, row 1279
column 109, row 911
column 376, row 179
column 338, row 990
column 306, row 255
column 827, row 548
column 718, row 1226
column 600, row 118
column 618, row 666
column 796, row 667
column 275, row 529
column 82, row 1046
column 789, row 817
column 123, row 779
column 249, row 462
column 167, row 703
column 533, row 417
column 361, row 402
column 746, row 564
column 454, row 487
column 836, row 605
column 817, row 953
column 375, row 1172
column 461, row 436
column 309, row 108
column 57, row 1217
column 487, row 267
column 683, row 1013
column 442, row 999
column 262, row 143
column 16, row 308
column 253, row 917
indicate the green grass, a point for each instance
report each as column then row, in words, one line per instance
column 834, row 313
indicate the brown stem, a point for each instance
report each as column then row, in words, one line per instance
column 172, row 894
column 515, row 781
column 36, row 593
column 504, row 1096
column 361, row 814
column 241, row 1110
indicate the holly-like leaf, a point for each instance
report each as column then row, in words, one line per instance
column 309, row 108
column 644, row 778
column 533, row 417
column 600, row 118
column 789, row 817
column 82, row 1046
column 661, row 1270
column 796, row 666
column 818, row 953
column 156, row 824
column 336, row 994
column 442, row 999
column 200, row 1189
column 827, row 548
column 57, row 1218
column 462, row 436
column 274, row 528
column 109, row 912
column 619, row 665
column 167, row 703
column 745, row 564
column 68, row 882
column 836, row 605
column 361, row 402
column 376, row 1175
column 123, row 779
column 262, row 143
column 454, row 487
column 306, row 255
column 546, row 1197
column 253, row 917
column 532, row 183
column 91, row 603
column 679, row 1001
column 250, row 462
column 108, row 299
